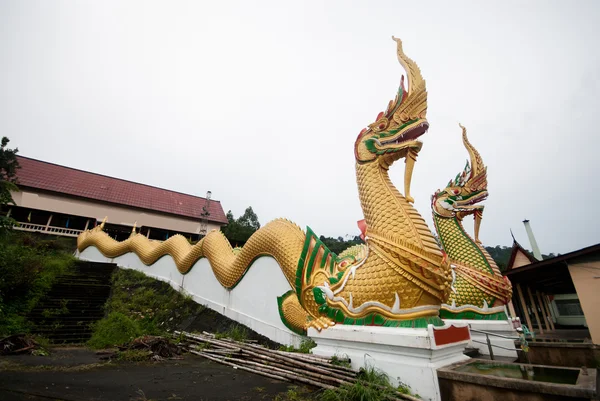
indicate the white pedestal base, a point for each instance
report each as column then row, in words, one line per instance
column 410, row 356
column 502, row 327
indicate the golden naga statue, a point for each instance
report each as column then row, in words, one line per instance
column 399, row 278
column 479, row 291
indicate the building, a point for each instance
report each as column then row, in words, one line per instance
column 65, row 201
column 559, row 292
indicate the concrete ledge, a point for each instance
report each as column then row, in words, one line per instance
column 501, row 327
column 408, row 356
column 452, row 385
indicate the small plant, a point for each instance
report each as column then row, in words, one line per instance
column 235, row 332
column 134, row 355
column 337, row 361
column 116, row 329
column 306, row 347
column 372, row 385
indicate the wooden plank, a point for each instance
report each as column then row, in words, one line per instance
column 539, row 297
column 535, row 312
column 547, row 307
column 524, row 307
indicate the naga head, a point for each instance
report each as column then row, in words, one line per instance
column 462, row 195
column 394, row 133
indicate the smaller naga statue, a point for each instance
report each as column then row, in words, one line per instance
column 478, row 291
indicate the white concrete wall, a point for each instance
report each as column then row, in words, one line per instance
column 253, row 302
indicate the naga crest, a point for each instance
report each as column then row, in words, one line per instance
column 461, row 195
column 394, row 133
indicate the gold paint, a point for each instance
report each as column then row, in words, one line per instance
column 478, row 278
column 400, row 257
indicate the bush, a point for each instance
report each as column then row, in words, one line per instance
column 153, row 306
column 116, row 329
column 28, row 269
column 372, row 384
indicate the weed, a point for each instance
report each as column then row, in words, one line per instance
column 337, row 361
column 372, row 385
column 235, row 332
column 153, row 306
column 306, row 347
column 259, row 389
column 134, row 355
column 113, row 330
column 28, row 268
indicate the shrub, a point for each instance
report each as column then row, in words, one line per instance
column 28, row 269
column 152, row 305
column 116, row 329
column 372, row 385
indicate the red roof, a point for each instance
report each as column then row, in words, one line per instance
column 65, row 180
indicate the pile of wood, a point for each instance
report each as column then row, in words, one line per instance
column 157, row 347
column 18, row 344
column 281, row 365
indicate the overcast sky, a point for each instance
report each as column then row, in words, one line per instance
column 261, row 101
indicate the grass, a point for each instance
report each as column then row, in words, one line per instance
column 337, row 361
column 140, row 305
column 306, row 347
column 372, row 385
column 236, row 332
column 134, row 355
column 29, row 266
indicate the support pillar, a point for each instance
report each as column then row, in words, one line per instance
column 524, row 306
column 539, row 297
column 49, row 221
column 535, row 312
column 547, row 308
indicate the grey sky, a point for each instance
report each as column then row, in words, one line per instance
column 261, row 101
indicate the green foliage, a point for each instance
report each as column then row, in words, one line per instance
column 306, row 347
column 238, row 231
column 501, row 255
column 8, row 179
column 235, row 332
column 116, row 329
column 28, row 269
column 151, row 307
column 372, row 385
column 134, row 355
column 338, row 245
column 337, row 361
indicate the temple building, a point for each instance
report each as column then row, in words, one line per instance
column 64, row 201
column 557, row 296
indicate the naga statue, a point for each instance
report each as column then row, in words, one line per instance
column 479, row 291
column 398, row 278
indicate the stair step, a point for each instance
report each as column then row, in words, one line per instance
column 81, row 294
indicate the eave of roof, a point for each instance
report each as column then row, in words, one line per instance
column 64, row 180
column 555, row 260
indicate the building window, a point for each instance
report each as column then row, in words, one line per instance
column 569, row 307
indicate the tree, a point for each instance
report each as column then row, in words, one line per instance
column 238, row 231
column 8, row 179
column 338, row 245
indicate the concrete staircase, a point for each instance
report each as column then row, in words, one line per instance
column 75, row 301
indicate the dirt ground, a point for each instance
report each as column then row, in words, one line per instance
column 78, row 374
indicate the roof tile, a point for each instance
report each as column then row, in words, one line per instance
column 52, row 177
